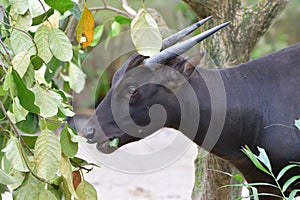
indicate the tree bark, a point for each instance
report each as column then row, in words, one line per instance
column 229, row 47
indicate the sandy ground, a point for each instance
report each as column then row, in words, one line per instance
column 174, row 182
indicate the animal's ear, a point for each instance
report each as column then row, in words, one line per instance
column 189, row 65
column 175, row 76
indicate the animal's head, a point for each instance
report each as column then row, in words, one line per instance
column 132, row 109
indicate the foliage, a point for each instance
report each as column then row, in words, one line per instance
column 40, row 67
column 263, row 163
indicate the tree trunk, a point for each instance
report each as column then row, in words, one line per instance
column 229, row 47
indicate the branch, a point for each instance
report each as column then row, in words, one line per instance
column 107, row 7
column 14, row 128
column 18, row 29
column 6, row 50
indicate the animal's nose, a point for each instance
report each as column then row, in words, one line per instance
column 89, row 134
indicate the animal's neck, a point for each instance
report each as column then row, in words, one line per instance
column 222, row 113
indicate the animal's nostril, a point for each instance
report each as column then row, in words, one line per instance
column 89, row 133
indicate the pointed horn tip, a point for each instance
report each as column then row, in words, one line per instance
column 202, row 21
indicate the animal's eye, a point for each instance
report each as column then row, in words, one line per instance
column 132, row 90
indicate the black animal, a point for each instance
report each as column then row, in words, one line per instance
column 261, row 101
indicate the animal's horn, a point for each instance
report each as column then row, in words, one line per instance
column 173, row 39
column 180, row 48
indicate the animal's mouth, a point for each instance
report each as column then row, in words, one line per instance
column 105, row 145
column 108, row 146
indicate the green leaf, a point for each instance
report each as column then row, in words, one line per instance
column 145, row 34
column 2, row 91
column 297, row 123
column 19, row 112
column 45, row 101
column 21, row 21
column 28, row 77
column 254, row 159
column 26, row 97
column 60, row 45
column 19, row 178
column 41, row 38
column 60, row 5
column 114, row 142
column 46, row 194
column 19, row 6
column 238, row 177
column 6, row 179
column 66, row 172
column 284, row 170
column 76, row 162
column 98, row 32
column 30, row 124
column 122, row 19
column 36, row 61
column 77, row 78
column 86, row 191
column 293, row 194
column 75, row 137
column 47, row 154
column 115, row 29
column 21, row 62
column 13, row 153
column 37, row 7
column 263, row 157
column 69, row 148
column 30, row 184
column 9, row 84
column 30, row 140
column 51, row 123
column 41, row 18
column 289, row 182
column 3, row 189
column 21, row 42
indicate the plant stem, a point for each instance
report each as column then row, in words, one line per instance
column 116, row 10
column 6, row 50
column 14, row 128
column 21, row 30
column 278, row 186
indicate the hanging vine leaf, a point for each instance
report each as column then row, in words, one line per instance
column 77, row 78
column 69, row 148
column 66, row 172
column 47, row 154
column 14, row 155
column 45, row 101
column 21, row 21
column 37, row 7
column 60, row 45
column 21, row 62
column 19, row 6
column 98, row 32
column 25, row 95
column 86, row 191
column 145, row 34
column 6, row 179
column 41, row 38
column 21, row 42
column 85, row 28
